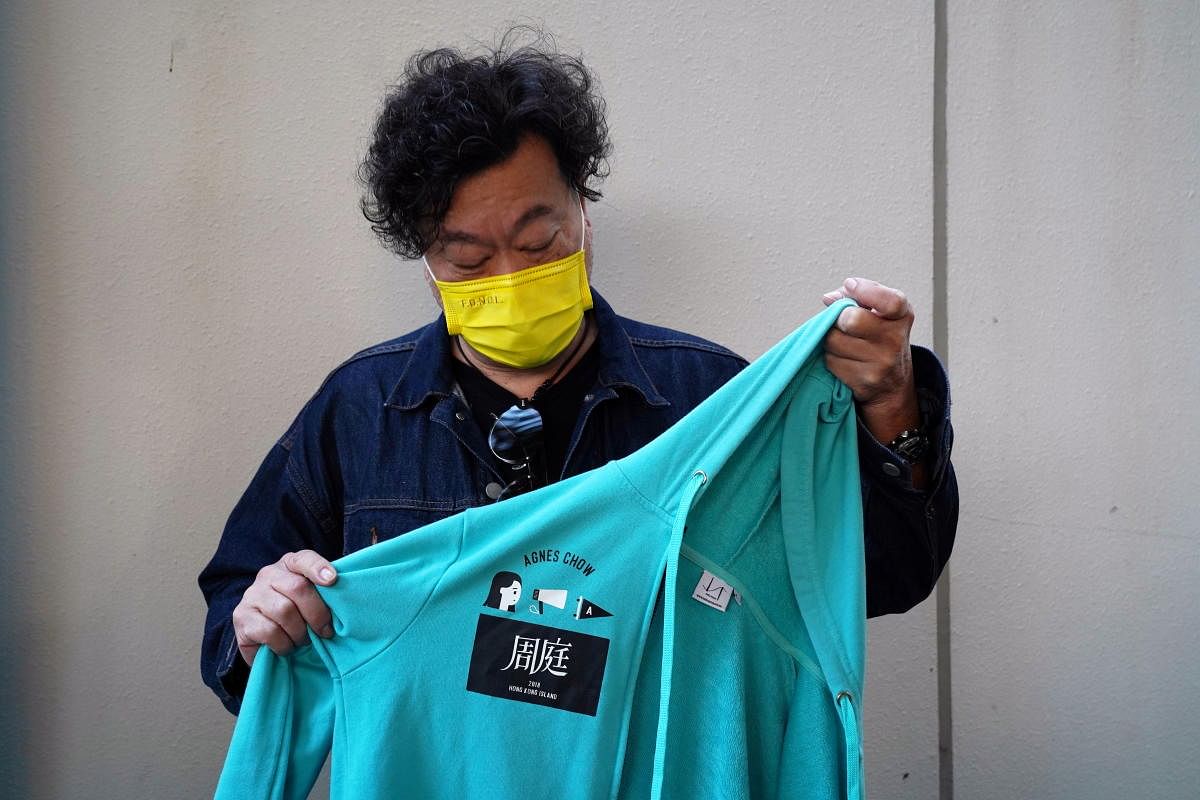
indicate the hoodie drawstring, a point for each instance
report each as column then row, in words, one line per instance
column 698, row 479
column 849, row 717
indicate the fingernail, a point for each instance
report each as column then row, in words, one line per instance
column 851, row 283
column 326, row 574
column 327, row 631
column 832, row 295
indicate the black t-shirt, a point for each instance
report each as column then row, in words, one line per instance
column 558, row 404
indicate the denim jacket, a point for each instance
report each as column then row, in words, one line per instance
column 387, row 445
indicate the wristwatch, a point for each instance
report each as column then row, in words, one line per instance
column 911, row 445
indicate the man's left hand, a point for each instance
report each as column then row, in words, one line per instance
column 868, row 350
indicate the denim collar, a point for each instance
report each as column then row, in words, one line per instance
column 428, row 373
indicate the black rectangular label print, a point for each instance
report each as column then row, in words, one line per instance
column 537, row 664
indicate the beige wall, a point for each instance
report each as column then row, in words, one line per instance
column 184, row 262
column 1074, row 251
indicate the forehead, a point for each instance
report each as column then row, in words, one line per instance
column 503, row 193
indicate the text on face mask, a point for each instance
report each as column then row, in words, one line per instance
column 475, row 302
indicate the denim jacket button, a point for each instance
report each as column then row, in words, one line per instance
column 891, row 469
column 458, row 415
column 493, row 490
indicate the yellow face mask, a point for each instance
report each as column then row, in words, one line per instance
column 523, row 319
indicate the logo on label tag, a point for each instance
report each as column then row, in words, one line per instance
column 713, row 592
column 537, row 664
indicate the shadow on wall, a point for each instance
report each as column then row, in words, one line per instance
column 16, row 624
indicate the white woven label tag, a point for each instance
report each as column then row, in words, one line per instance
column 713, row 592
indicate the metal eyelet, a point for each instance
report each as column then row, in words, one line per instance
column 702, row 474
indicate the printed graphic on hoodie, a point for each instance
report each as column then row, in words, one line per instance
column 586, row 609
column 545, row 597
column 505, row 591
column 538, row 664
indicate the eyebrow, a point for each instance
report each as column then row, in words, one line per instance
column 538, row 211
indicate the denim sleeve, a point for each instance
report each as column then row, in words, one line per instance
column 909, row 532
column 280, row 512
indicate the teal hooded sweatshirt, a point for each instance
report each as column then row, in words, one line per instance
column 525, row 650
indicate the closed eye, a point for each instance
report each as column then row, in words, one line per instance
column 537, row 248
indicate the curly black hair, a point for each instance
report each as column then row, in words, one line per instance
column 453, row 115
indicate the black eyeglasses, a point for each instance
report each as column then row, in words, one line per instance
column 516, row 439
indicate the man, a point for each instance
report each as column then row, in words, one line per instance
column 483, row 167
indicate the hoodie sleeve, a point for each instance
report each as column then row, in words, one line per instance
column 822, row 511
column 284, row 730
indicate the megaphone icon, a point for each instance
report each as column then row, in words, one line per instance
column 555, row 597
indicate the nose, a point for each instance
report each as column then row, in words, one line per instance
column 508, row 261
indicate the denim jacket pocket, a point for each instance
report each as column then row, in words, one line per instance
column 372, row 521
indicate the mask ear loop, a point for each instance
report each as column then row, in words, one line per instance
column 582, row 227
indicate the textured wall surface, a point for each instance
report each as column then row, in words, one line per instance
column 1074, row 252
column 184, row 262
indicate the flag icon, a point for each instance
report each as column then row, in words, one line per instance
column 586, row 609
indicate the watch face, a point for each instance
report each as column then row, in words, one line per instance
column 912, row 446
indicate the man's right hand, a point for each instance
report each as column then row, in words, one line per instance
column 281, row 605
